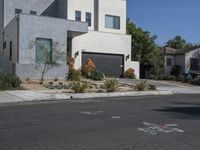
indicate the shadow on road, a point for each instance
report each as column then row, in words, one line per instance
column 187, row 112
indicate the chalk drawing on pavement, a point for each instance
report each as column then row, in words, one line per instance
column 92, row 112
column 154, row 129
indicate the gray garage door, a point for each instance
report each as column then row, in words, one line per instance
column 109, row 64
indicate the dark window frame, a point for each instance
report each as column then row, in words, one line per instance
column 11, row 50
column 77, row 15
column 169, row 61
column 32, row 12
column 116, row 25
column 18, row 11
column 51, row 49
column 88, row 18
column 4, row 45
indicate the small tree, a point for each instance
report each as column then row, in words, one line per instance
column 51, row 58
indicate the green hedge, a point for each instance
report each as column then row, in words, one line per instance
column 9, row 81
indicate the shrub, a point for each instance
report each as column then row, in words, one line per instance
column 176, row 70
column 97, row 75
column 169, row 77
column 153, row 77
column 152, row 87
column 141, row 86
column 110, row 85
column 80, row 86
column 9, row 81
column 130, row 73
column 74, row 75
column 88, row 67
column 195, row 81
column 71, row 62
column 179, row 79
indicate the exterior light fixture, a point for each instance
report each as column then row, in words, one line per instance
column 127, row 57
column 76, row 54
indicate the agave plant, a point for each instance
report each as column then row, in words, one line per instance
column 110, row 85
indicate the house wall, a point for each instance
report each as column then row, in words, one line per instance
column 136, row 66
column 104, row 7
column 100, row 42
column 32, row 27
column 25, row 5
column 192, row 54
column 11, row 35
column 83, row 6
column 1, row 13
column 112, row 7
column 1, row 42
column 180, row 60
column 168, row 68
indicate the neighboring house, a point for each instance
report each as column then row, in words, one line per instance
column 187, row 59
column 81, row 29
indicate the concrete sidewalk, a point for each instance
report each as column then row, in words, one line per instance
column 52, row 95
column 8, row 98
column 27, row 96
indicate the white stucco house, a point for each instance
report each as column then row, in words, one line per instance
column 83, row 29
column 187, row 59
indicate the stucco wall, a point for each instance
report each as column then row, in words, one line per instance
column 11, row 35
column 105, row 7
column 1, row 42
column 25, row 5
column 101, row 42
column 32, row 27
column 83, row 6
column 112, row 7
column 1, row 14
column 180, row 60
column 136, row 66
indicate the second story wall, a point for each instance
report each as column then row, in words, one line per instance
column 106, row 15
column 82, row 6
column 10, row 6
column 112, row 11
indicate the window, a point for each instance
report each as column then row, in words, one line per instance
column 11, row 50
column 33, row 12
column 169, row 62
column 112, row 22
column 78, row 15
column 4, row 45
column 18, row 11
column 43, row 50
column 88, row 18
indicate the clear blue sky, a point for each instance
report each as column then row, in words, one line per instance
column 167, row 18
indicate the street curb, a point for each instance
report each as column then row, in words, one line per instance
column 31, row 96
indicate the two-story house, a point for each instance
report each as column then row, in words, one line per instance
column 81, row 29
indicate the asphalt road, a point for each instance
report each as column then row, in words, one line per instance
column 140, row 123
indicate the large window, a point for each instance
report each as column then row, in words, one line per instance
column 112, row 22
column 44, row 51
column 88, row 18
column 78, row 15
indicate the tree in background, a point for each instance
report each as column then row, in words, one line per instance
column 145, row 50
column 179, row 43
